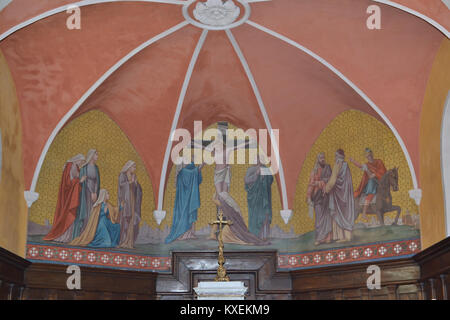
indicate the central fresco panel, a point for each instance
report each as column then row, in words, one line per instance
column 96, row 201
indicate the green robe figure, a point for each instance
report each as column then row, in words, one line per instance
column 259, row 199
column 90, row 189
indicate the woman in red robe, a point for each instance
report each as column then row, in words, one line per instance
column 68, row 201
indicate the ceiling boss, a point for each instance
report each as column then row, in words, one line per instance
column 217, row 14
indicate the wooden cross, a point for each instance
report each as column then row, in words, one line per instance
column 221, row 271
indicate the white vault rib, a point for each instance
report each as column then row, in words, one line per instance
column 264, row 113
column 78, row 4
column 187, row 79
column 349, row 83
column 102, row 79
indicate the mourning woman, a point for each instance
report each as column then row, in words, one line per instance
column 259, row 198
column 68, row 201
column 89, row 191
column 102, row 229
column 129, row 196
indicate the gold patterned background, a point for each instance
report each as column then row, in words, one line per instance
column 92, row 130
column 353, row 131
column 207, row 211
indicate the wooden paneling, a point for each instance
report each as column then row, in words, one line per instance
column 434, row 265
column 48, row 281
column 399, row 280
column 424, row 276
column 12, row 269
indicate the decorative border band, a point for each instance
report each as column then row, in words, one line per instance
column 120, row 260
column 349, row 255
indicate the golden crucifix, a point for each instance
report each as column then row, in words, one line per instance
column 221, row 271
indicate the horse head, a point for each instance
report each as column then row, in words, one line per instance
column 393, row 178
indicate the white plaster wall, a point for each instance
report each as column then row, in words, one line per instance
column 4, row 3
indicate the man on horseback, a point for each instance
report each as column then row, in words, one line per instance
column 374, row 170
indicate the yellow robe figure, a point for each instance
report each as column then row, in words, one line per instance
column 88, row 234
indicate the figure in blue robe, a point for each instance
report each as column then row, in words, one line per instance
column 259, row 199
column 108, row 233
column 187, row 202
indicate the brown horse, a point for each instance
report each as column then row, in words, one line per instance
column 383, row 202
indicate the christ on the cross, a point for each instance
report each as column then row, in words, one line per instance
column 237, row 232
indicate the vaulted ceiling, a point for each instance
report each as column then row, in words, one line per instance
column 381, row 72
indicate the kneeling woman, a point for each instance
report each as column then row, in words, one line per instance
column 102, row 229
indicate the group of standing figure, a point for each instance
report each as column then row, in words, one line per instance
column 83, row 215
column 187, row 202
column 330, row 193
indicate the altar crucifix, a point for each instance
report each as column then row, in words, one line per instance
column 221, row 271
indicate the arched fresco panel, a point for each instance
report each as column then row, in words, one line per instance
column 354, row 131
column 92, row 130
column 207, row 211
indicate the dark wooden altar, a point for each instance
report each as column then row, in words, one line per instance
column 257, row 269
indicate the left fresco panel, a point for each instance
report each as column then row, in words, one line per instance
column 94, row 197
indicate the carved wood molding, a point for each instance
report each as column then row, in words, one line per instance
column 257, row 267
column 12, row 268
column 435, row 260
column 54, row 276
column 49, row 282
column 424, row 276
column 393, row 273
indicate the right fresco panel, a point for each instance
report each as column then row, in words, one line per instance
column 352, row 197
